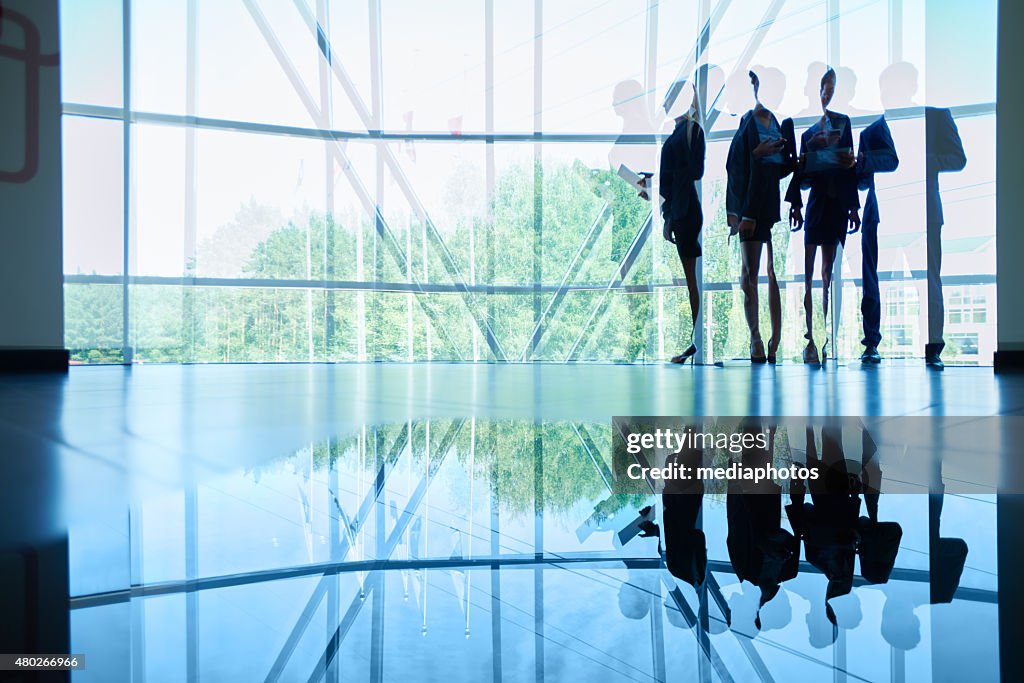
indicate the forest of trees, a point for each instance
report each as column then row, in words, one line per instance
column 336, row 320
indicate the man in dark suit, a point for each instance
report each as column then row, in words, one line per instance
column 877, row 154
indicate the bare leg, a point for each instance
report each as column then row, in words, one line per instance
column 828, row 258
column 810, row 250
column 690, row 270
column 748, row 283
column 774, row 303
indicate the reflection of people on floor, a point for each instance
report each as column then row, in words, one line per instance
column 878, row 543
column 831, row 527
column 876, row 154
column 682, row 165
column 827, row 168
column 760, row 155
column 946, row 556
column 686, row 553
column 828, row 524
column 760, row 550
column 637, row 592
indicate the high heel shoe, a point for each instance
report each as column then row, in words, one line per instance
column 685, row 356
column 757, row 358
column 771, row 354
column 811, row 354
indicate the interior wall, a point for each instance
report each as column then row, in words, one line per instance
column 31, row 263
column 1009, row 179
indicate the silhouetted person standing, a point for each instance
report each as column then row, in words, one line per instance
column 827, row 169
column 760, row 155
column 877, row 154
column 682, row 165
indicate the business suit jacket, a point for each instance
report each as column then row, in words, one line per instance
column 752, row 190
column 834, row 189
column 682, row 164
column 879, row 156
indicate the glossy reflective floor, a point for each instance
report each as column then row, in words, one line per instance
column 455, row 522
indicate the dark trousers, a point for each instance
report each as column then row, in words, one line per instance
column 936, row 310
column 871, row 301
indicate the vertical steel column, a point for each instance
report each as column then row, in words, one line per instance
column 191, row 150
column 191, row 573
column 836, row 294
column 703, row 15
column 895, row 31
column 380, row 534
column 489, row 166
column 327, row 123
column 137, row 606
column 538, row 545
column 126, row 184
column 650, row 87
column 495, row 552
column 377, row 115
column 538, row 167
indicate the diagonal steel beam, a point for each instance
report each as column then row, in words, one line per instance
column 621, row 272
column 595, row 456
column 398, row 173
column 306, row 616
column 703, row 38
column 447, row 442
column 369, row 205
column 374, row 583
column 570, row 274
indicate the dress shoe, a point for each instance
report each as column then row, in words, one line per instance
column 870, row 355
column 933, row 361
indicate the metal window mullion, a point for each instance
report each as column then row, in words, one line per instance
column 895, row 31
column 190, row 180
column 327, row 122
column 538, row 157
column 490, row 171
column 377, row 117
column 126, row 100
column 650, row 86
column 703, row 15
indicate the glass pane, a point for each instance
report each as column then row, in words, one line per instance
column 93, row 191
column 594, row 68
column 90, row 65
column 431, row 84
column 158, row 55
column 93, row 322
